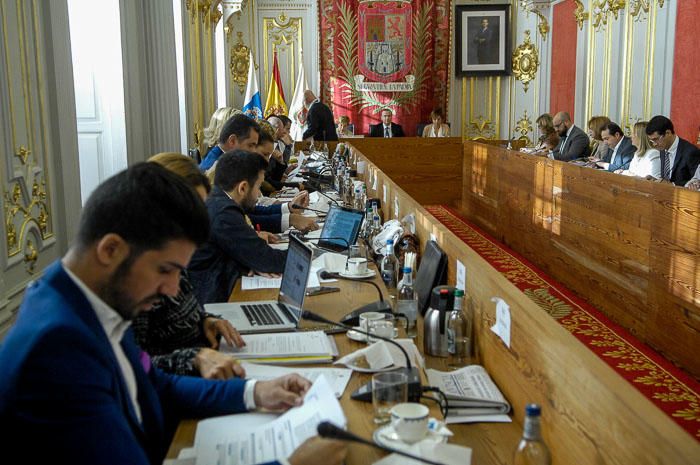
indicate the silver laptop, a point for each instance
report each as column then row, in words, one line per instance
column 282, row 314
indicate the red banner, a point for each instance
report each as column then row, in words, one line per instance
column 377, row 55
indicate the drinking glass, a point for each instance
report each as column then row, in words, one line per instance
column 388, row 389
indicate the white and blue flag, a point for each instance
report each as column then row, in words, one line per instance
column 253, row 103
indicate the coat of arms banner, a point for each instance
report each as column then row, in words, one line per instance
column 378, row 54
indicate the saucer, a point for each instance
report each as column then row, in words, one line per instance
column 387, row 437
column 365, row 275
column 355, row 336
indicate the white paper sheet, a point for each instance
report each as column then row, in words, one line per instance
column 461, row 281
column 449, row 454
column 502, row 326
column 338, row 378
column 276, row 439
column 383, row 356
column 304, row 343
column 249, row 283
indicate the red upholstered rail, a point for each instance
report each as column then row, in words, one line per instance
column 667, row 387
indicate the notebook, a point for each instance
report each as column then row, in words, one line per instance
column 343, row 223
column 283, row 314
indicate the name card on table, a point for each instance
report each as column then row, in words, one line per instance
column 502, row 326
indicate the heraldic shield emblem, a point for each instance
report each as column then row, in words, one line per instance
column 384, row 40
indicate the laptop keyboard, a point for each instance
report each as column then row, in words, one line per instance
column 265, row 314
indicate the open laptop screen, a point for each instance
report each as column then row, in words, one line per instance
column 296, row 273
column 340, row 222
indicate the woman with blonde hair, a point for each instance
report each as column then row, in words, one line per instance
column 216, row 123
column 438, row 128
column 647, row 160
column 600, row 150
column 545, row 124
column 178, row 334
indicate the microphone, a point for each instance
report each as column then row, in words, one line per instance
column 364, row 393
column 328, row 430
column 317, row 188
column 299, row 207
column 353, row 318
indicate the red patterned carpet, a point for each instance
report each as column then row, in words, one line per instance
column 671, row 390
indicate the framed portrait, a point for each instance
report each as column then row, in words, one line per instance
column 482, row 40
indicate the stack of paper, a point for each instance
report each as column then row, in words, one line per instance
column 382, row 356
column 285, row 348
column 338, row 378
column 251, row 438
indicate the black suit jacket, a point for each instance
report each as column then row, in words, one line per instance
column 685, row 164
column 377, row 130
column 624, row 155
column 573, row 147
column 319, row 123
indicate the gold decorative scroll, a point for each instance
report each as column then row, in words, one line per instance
column 524, row 127
column 580, row 14
column 240, row 61
column 525, row 61
column 480, row 126
column 602, row 9
column 282, row 33
column 542, row 24
column 22, row 153
column 642, row 6
column 20, row 218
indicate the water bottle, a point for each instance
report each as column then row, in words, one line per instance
column 532, row 450
column 407, row 302
column 324, row 149
column 458, row 333
column 389, row 267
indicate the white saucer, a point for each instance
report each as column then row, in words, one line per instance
column 355, row 336
column 387, row 437
column 367, row 274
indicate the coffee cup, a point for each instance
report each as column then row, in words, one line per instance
column 382, row 328
column 357, row 266
column 410, row 421
column 367, row 318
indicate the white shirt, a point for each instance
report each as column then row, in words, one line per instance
column 648, row 164
column 384, row 130
column 285, row 210
column 114, row 327
column 671, row 153
column 612, row 157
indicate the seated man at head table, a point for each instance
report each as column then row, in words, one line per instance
column 233, row 248
column 386, row 128
column 621, row 148
column 574, row 142
column 679, row 158
column 75, row 387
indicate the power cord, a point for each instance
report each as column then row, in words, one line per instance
column 442, row 401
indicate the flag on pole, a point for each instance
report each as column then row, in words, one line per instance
column 253, row 104
column 274, row 105
column 297, row 110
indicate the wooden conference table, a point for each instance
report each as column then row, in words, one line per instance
column 491, row 443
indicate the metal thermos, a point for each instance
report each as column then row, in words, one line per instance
column 436, row 320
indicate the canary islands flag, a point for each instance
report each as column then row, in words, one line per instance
column 253, row 104
column 275, row 104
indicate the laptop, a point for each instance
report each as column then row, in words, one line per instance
column 341, row 222
column 283, row 314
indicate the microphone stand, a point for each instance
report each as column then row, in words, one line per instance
column 364, row 393
column 299, row 207
column 328, row 430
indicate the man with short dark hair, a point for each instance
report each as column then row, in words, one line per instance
column 386, row 128
column 72, row 374
column 621, row 146
column 679, row 158
column 233, row 248
column 320, row 124
column 239, row 132
column 574, row 142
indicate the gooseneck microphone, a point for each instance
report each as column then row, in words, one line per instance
column 328, row 275
column 353, row 318
column 299, row 207
column 328, row 430
column 364, row 393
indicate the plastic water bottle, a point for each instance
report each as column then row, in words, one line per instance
column 407, row 302
column 532, row 450
column 389, row 267
column 458, row 333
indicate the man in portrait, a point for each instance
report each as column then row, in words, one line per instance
column 486, row 41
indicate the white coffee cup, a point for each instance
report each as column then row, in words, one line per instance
column 367, row 318
column 357, row 266
column 410, row 421
column 382, row 328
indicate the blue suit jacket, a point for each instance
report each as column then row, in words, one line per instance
column 624, row 155
column 269, row 217
column 211, row 158
column 62, row 395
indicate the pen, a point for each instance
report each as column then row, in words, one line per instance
column 257, row 227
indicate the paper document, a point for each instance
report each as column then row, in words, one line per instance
column 338, row 378
column 305, row 343
column 470, row 392
column 382, row 356
column 502, row 326
column 249, row 283
column 242, row 443
column 448, row 454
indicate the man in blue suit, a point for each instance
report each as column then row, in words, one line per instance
column 621, row 148
column 75, row 388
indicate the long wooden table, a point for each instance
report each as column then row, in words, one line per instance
column 491, row 443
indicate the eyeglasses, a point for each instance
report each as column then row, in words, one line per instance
column 656, row 139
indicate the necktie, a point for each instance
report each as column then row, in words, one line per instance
column 386, row 132
column 666, row 161
column 562, row 151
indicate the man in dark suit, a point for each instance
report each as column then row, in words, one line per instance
column 319, row 120
column 72, row 373
column 574, row 142
column 679, row 158
column 233, row 248
column 621, row 148
column 386, row 128
column 485, row 44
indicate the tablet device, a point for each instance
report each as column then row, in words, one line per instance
column 341, row 228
